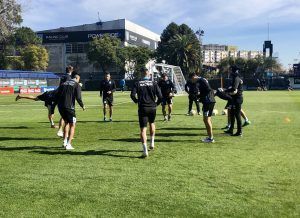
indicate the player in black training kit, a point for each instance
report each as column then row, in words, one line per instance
column 193, row 90
column 168, row 90
column 148, row 97
column 107, row 88
column 236, row 92
column 67, row 76
column 49, row 99
column 207, row 99
column 66, row 95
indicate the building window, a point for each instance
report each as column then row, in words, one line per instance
column 76, row 48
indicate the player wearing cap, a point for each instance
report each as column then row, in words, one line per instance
column 236, row 92
column 148, row 97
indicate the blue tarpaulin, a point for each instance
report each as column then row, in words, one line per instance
column 6, row 74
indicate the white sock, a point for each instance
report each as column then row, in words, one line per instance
column 145, row 149
column 246, row 119
column 66, row 141
column 152, row 141
column 52, row 123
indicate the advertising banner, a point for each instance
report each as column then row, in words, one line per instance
column 6, row 90
column 48, row 88
column 30, row 90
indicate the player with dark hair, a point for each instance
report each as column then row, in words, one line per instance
column 207, row 98
column 236, row 92
column 222, row 93
column 49, row 99
column 168, row 90
column 148, row 97
column 107, row 88
column 66, row 95
column 193, row 90
column 68, row 75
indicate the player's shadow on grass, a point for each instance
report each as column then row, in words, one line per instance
column 110, row 153
column 181, row 128
column 101, row 121
column 171, row 134
column 137, row 140
column 26, row 148
column 23, row 139
column 14, row 127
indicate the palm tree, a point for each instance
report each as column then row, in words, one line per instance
column 184, row 50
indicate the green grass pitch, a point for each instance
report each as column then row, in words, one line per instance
column 257, row 175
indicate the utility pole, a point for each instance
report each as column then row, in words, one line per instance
column 200, row 33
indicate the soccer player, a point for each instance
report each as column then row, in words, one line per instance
column 222, row 93
column 192, row 89
column 148, row 97
column 64, row 78
column 66, row 95
column 168, row 90
column 107, row 88
column 48, row 98
column 236, row 92
column 207, row 98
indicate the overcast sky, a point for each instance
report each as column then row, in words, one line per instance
column 234, row 22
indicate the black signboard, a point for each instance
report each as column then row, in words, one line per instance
column 79, row 36
column 139, row 40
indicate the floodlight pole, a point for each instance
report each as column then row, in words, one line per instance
column 200, row 33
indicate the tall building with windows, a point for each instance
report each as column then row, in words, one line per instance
column 68, row 45
column 213, row 53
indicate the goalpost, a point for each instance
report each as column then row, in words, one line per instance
column 174, row 73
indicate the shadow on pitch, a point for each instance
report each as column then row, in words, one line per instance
column 23, row 139
column 101, row 121
column 181, row 128
column 26, row 148
column 14, row 127
column 171, row 134
column 137, row 140
column 110, row 153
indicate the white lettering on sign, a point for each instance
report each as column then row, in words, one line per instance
column 99, row 35
column 146, row 42
column 133, row 38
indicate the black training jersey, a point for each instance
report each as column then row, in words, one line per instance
column 166, row 87
column 191, row 88
column 206, row 92
column 65, row 78
column 147, row 92
column 67, row 93
column 237, row 84
column 107, row 85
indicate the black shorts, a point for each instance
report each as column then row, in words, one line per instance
column 51, row 108
column 108, row 100
column 43, row 97
column 146, row 114
column 68, row 115
column 208, row 109
column 166, row 101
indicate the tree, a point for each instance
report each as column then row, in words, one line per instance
column 103, row 51
column 179, row 46
column 35, row 58
column 132, row 59
column 25, row 36
column 10, row 16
